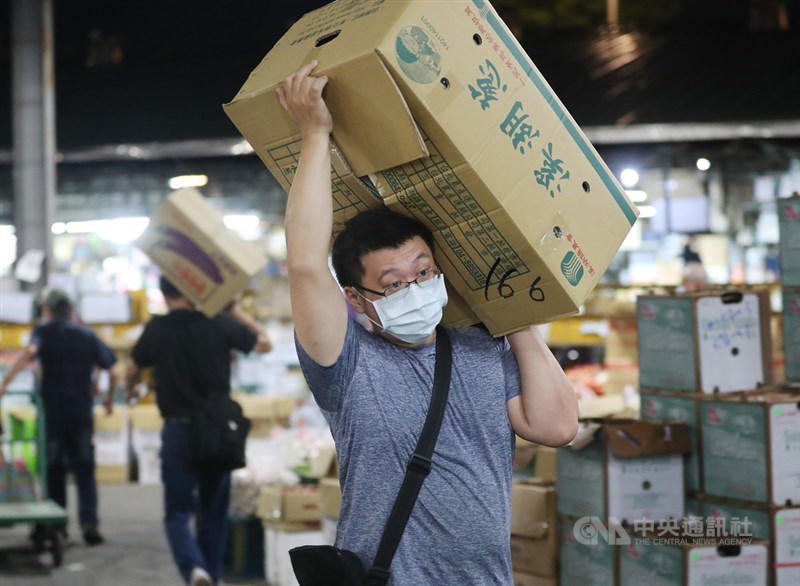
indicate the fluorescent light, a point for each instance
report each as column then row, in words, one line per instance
column 629, row 177
column 181, row 181
column 637, row 195
column 7, row 229
column 241, row 148
column 86, row 226
column 241, row 222
column 703, row 164
column 122, row 230
column 647, row 211
column 119, row 230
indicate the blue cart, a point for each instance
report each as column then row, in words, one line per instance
column 20, row 502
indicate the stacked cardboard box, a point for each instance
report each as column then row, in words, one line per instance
column 789, row 248
column 779, row 525
column 615, row 473
column 692, row 347
column 534, row 532
column 291, row 518
column 692, row 562
column 751, row 471
column 265, row 412
column 791, row 333
column 111, row 445
column 712, row 342
column 705, row 359
column 330, row 497
column 146, row 424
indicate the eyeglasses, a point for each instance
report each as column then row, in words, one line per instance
column 399, row 289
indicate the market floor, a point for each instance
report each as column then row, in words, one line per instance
column 135, row 551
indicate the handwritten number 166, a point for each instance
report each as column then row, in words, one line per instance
column 505, row 290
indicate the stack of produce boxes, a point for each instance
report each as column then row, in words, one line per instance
column 789, row 221
column 705, row 359
column 291, row 516
column 751, row 473
column 616, row 475
column 534, row 530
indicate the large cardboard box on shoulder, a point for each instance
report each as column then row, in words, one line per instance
column 445, row 118
column 207, row 262
column 710, row 342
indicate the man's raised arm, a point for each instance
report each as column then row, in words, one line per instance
column 318, row 306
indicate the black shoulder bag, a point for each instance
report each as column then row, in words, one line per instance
column 218, row 432
column 218, row 428
column 326, row 565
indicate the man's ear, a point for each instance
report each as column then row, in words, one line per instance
column 354, row 300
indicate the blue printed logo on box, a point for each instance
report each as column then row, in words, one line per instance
column 572, row 268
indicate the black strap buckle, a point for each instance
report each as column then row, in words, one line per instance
column 420, row 464
column 377, row 576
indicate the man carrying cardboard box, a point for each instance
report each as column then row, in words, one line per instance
column 191, row 358
column 374, row 388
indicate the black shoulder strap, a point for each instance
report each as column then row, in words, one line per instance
column 418, row 466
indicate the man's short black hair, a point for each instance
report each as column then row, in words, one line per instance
column 367, row 232
column 169, row 290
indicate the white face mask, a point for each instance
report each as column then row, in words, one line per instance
column 412, row 315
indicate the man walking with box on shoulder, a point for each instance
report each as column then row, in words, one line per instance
column 191, row 356
column 374, row 388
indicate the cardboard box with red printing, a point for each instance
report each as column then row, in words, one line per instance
column 207, row 262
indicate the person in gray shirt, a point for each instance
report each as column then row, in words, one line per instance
column 374, row 387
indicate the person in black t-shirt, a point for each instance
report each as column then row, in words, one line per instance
column 68, row 354
column 191, row 355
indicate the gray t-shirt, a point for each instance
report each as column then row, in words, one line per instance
column 375, row 398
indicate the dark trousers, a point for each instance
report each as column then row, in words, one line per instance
column 70, row 447
column 189, row 492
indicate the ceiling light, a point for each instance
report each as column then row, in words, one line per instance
column 637, row 195
column 181, row 181
column 703, row 164
column 629, row 177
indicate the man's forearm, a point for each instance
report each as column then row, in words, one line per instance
column 21, row 362
column 132, row 376
column 309, row 210
column 548, row 397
